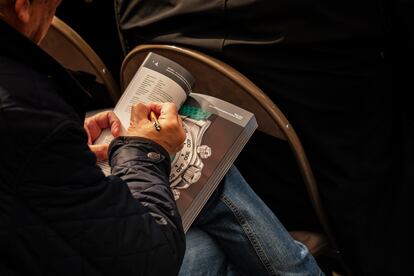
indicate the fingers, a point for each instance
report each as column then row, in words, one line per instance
column 139, row 113
column 167, row 113
column 180, row 121
column 108, row 119
column 95, row 124
column 164, row 110
column 101, row 151
column 170, row 137
column 85, row 126
column 114, row 123
column 156, row 107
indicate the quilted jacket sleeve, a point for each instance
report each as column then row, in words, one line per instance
column 96, row 220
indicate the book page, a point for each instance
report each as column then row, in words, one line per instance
column 158, row 79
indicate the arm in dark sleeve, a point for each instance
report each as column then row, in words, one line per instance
column 97, row 217
column 145, row 166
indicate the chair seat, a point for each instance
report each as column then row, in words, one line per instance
column 316, row 243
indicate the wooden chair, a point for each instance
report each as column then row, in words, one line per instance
column 68, row 48
column 218, row 79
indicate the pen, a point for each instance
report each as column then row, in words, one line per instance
column 155, row 121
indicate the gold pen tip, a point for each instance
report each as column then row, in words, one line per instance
column 155, row 121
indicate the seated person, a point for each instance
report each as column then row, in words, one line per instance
column 60, row 215
column 235, row 234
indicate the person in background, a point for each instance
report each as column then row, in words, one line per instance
column 59, row 215
column 324, row 64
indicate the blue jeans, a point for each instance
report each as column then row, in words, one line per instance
column 237, row 234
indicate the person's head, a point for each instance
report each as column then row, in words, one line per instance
column 32, row 18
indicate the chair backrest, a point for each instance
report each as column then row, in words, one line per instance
column 70, row 50
column 218, row 79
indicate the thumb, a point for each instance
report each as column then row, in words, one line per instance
column 85, row 127
column 139, row 113
column 101, row 151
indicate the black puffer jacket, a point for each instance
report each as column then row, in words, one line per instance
column 59, row 215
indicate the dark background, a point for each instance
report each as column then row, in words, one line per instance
column 95, row 22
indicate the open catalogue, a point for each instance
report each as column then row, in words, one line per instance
column 216, row 131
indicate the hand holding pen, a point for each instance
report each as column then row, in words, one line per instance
column 144, row 123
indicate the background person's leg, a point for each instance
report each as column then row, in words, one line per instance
column 203, row 256
column 250, row 235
